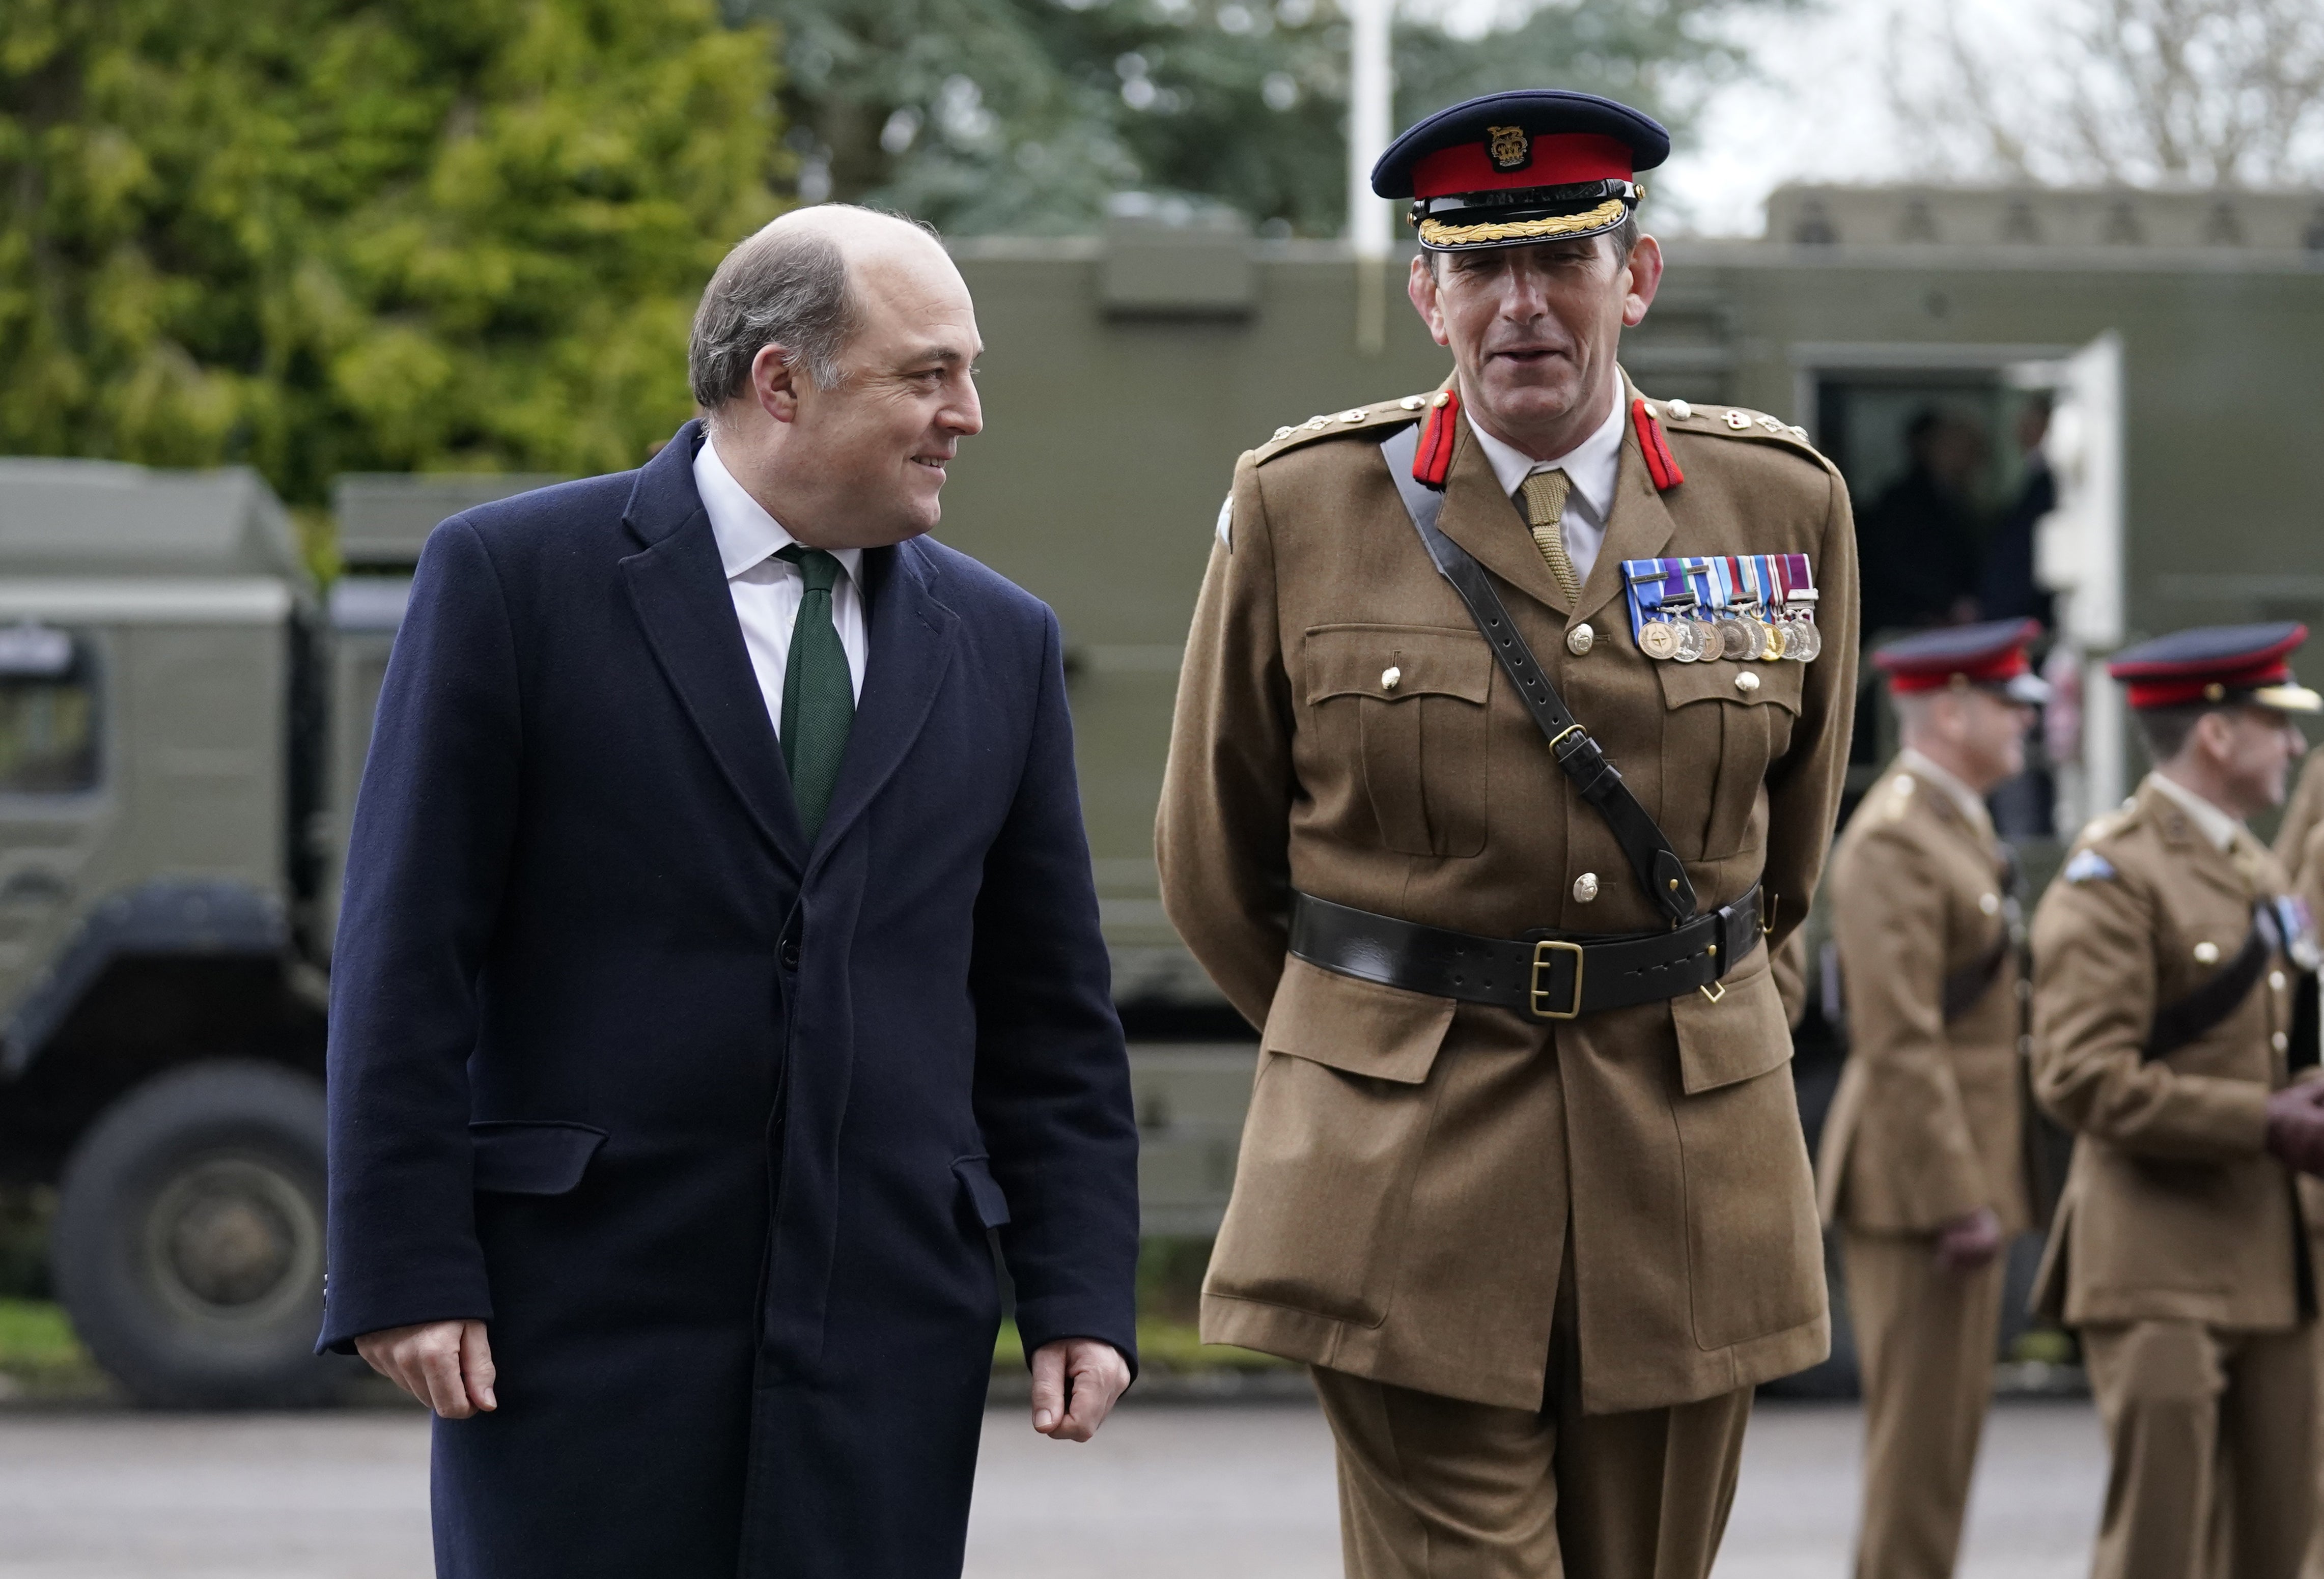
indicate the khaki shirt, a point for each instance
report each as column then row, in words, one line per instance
column 2173, row 1210
column 1926, row 1125
column 1410, row 1165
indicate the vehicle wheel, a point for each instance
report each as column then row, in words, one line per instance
column 187, row 1245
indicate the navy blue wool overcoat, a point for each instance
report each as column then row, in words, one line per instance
column 709, row 1123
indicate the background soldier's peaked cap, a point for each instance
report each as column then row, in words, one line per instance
column 1513, row 169
column 1990, row 654
column 2217, row 664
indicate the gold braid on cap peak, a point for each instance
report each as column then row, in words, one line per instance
column 1610, row 212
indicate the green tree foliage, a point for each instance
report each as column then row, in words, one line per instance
column 322, row 236
column 1022, row 115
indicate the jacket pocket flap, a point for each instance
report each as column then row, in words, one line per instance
column 528, row 1157
column 1777, row 682
column 984, row 1191
column 1362, row 1027
column 1744, row 1033
column 1391, row 662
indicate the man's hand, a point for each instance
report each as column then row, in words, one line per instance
column 2295, row 1126
column 447, row 1365
column 1969, row 1241
column 1075, row 1381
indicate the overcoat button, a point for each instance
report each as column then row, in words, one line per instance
column 2279, row 1042
column 2275, row 980
column 1390, row 678
column 2207, row 953
column 1991, row 903
column 791, row 953
column 1578, row 639
column 1747, row 682
column 1585, row 887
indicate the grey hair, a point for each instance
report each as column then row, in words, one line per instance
column 787, row 288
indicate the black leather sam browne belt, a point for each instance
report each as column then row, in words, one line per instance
column 1545, row 975
column 1550, row 975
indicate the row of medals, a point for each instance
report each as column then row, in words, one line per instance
column 1688, row 639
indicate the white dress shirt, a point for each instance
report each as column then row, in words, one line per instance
column 2216, row 824
column 767, row 591
column 1591, row 467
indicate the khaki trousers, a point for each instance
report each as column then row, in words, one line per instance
column 1926, row 1338
column 2212, row 1444
column 1435, row 1488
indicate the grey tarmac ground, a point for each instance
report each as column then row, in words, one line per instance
column 1215, row 1490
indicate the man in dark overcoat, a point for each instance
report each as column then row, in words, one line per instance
column 719, row 964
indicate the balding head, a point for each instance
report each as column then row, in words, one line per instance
column 836, row 353
column 795, row 284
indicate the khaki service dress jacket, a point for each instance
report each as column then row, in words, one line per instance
column 1926, row 1125
column 2173, row 1210
column 1412, row 1165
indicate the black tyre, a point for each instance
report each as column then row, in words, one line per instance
column 188, row 1246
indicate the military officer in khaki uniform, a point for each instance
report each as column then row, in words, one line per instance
column 2162, row 964
column 1523, row 1178
column 1923, row 1165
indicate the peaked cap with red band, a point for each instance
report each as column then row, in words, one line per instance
column 1991, row 655
column 1516, row 169
column 2217, row 666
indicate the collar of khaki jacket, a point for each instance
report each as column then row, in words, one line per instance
column 2239, row 866
column 2215, row 823
column 1485, row 522
column 1966, row 802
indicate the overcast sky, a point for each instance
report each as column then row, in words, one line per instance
column 1816, row 109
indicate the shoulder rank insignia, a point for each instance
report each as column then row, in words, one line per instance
column 2088, row 866
column 1355, row 419
column 1661, row 465
column 1731, row 423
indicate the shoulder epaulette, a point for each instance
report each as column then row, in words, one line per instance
column 1731, row 423
column 1354, row 420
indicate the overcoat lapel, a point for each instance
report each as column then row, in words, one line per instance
column 678, row 587
column 908, row 647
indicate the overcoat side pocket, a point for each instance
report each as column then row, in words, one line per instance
column 528, row 1157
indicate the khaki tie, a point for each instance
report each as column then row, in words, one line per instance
column 1545, row 499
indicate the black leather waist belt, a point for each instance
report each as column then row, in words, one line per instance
column 1549, row 975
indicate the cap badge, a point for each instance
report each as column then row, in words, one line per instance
column 1509, row 147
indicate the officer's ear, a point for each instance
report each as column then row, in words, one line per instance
column 1643, row 269
column 1420, row 285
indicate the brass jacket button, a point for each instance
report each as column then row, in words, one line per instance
column 1585, row 887
column 1578, row 640
column 1747, row 682
column 1390, row 678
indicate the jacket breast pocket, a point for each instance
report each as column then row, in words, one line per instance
column 1406, row 706
column 525, row 1157
column 1735, row 719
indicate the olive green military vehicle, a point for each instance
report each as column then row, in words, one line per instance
column 183, row 717
column 183, row 714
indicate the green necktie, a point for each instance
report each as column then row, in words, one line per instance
column 818, row 691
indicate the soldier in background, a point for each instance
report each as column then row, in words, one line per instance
column 1924, row 1164
column 2163, row 959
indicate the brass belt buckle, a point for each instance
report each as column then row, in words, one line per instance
column 1542, row 953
